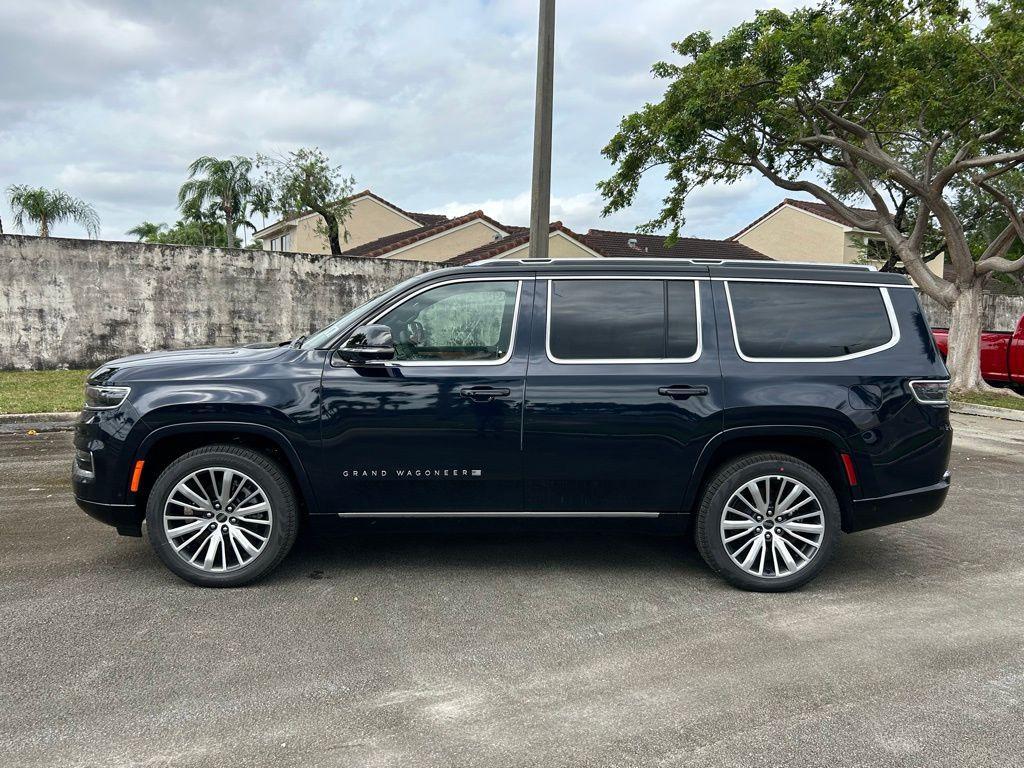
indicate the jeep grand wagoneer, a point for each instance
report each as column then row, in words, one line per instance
column 773, row 405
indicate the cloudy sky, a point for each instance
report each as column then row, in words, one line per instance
column 430, row 104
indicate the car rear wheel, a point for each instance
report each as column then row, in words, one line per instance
column 768, row 522
column 222, row 516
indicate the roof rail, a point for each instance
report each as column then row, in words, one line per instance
column 696, row 261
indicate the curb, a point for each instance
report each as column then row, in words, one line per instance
column 14, row 423
column 990, row 411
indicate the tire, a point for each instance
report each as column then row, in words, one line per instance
column 775, row 476
column 191, row 491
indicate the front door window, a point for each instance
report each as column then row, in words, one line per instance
column 459, row 322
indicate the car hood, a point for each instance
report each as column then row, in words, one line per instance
column 210, row 355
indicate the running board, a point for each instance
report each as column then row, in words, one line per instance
column 498, row 514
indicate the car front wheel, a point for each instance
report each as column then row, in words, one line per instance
column 768, row 522
column 222, row 516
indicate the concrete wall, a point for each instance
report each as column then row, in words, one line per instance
column 1001, row 312
column 76, row 303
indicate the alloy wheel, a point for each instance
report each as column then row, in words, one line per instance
column 217, row 519
column 772, row 526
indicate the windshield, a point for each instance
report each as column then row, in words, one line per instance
column 321, row 338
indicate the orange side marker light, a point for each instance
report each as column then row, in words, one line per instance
column 137, row 475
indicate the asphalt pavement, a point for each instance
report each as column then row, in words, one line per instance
column 540, row 643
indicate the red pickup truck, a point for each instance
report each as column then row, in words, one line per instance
column 1002, row 354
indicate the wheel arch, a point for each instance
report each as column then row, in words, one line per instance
column 820, row 447
column 164, row 444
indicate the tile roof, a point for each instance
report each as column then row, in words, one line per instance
column 627, row 244
column 389, row 243
column 618, row 245
column 818, row 209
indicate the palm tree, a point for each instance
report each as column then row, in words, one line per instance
column 262, row 201
column 225, row 183
column 147, row 231
column 45, row 207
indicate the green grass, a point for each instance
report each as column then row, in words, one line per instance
column 999, row 401
column 41, row 391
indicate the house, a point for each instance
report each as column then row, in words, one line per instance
column 380, row 229
column 800, row 230
column 371, row 218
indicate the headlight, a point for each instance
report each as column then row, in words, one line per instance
column 98, row 397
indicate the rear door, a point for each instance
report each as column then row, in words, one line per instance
column 624, row 390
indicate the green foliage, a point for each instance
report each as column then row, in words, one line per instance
column 224, row 184
column 825, row 92
column 305, row 180
column 147, row 231
column 45, row 207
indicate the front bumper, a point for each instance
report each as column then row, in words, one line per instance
column 897, row 507
column 105, row 445
column 124, row 517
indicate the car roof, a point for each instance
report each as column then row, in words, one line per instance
column 715, row 268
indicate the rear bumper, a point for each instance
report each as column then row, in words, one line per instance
column 897, row 507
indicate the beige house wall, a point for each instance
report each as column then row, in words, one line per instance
column 793, row 235
column 559, row 247
column 447, row 244
column 369, row 220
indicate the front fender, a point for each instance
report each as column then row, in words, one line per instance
column 279, row 438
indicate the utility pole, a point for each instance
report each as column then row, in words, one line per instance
column 540, row 203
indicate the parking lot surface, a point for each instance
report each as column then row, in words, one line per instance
column 540, row 643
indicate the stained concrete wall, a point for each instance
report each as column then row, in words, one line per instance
column 76, row 303
column 1001, row 312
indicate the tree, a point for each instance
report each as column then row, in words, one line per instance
column 305, row 180
column 262, row 201
column 147, row 231
column 224, row 183
column 45, row 207
column 915, row 106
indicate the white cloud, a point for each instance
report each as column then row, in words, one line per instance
column 425, row 103
column 578, row 212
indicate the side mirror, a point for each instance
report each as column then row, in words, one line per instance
column 367, row 345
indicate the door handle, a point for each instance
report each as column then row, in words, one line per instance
column 484, row 394
column 683, row 391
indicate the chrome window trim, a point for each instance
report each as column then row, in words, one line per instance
column 886, row 301
column 517, row 279
column 626, row 360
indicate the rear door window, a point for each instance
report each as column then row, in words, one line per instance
column 622, row 320
column 807, row 321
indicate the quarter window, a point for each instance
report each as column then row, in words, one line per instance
column 622, row 320
column 459, row 322
column 808, row 320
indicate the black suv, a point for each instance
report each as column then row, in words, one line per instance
column 772, row 404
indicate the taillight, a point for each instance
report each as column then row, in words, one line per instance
column 932, row 392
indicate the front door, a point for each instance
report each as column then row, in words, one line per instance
column 624, row 390
column 438, row 430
